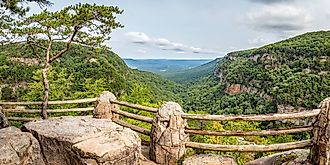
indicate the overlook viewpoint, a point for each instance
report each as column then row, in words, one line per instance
column 164, row 82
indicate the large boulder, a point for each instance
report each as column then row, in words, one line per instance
column 209, row 159
column 293, row 157
column 85, row 140
column 19, row 148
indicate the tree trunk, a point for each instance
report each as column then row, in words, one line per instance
column 46, row 91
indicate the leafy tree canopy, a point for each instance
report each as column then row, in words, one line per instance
column 17, row 6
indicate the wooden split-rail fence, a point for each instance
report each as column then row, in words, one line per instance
column 170, row 132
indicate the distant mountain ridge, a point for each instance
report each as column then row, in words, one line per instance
column 164, row 66
column 193, row 74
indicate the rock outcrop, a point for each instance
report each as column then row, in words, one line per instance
column 104, row 107
column 233, row 89
column 209, row 159
column 3, row 120
column 85, row 140
column 167, row 134
column 294, row 157
column 19, row 148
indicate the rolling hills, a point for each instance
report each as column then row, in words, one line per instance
column 82, row 72
column 193, row 74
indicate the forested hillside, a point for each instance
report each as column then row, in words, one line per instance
column 193, row 74
column 280, row 77
column 83, row 72
column 290, row 73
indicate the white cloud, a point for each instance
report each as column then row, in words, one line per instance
column 258, row 41
column 138, row 37
column 271, row 1
column 165, row 44
column 278, row 18
column 141, row 51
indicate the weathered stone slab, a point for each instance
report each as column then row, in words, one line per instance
column 19, row 148
column 209, row 159
column 85, row 140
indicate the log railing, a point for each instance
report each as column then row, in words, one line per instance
column 251, row 148
column 283, row 131
column 172, row 122
column 51, row 102
column 269, row 117
column 36, row 111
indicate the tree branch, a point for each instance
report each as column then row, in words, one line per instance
column 68, row 44
column 37, row 45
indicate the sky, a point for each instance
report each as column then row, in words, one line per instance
column 206, row 29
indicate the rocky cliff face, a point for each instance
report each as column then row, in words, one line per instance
column 233, row 89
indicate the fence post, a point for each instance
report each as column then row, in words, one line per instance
column 167, row 134
column 320, row 152
column 103, row 108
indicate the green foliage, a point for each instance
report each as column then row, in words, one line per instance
column 293, row 71
column 208, row 94
column 83, row 73
column 82, row 23
column 16, row 6
column 191, row 75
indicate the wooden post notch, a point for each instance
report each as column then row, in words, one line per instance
column 168, row 137
column 104, row 108
column 320, row 152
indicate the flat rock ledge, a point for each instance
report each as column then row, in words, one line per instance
column 85, row 141
column 209, row 159
column 293, row 157
column 19, row 148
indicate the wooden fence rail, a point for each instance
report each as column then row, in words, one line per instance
column 177, row 119
column 29, row 119
column 135, row 106
column 251, row 148
column 270, row 117
column 251, row 133
column 48, row 110
column 51, row 102
column 133, row 116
